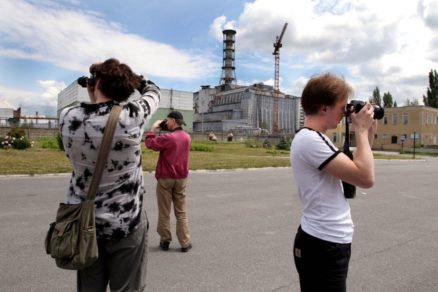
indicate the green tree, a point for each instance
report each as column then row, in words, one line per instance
column 395, row 104
column 376, row 98
column 431, row 97
column 412, row 102
column 387, row 100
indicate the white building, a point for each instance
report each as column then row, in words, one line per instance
column 170, row 100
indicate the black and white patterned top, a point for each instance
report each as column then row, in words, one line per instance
column 120, row 196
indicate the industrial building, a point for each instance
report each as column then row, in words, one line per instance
column 244, row 110
column 170, row 100
column 248, row 110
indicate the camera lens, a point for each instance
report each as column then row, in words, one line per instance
column 357, row 105
column 82, row 81
column 163, row 125
column 379, row 112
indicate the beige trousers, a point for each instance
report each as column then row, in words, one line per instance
column 172, row 190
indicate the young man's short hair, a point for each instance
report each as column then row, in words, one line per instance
column 326, row 89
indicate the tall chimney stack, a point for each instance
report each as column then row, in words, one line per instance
column 228, row 75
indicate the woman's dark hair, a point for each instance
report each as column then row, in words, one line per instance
column 117, row 81
column 326, row 89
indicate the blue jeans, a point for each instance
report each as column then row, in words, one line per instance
column 321, row 265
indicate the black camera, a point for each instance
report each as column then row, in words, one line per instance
column 84, row 81
column 163, row 125
column 356, row 105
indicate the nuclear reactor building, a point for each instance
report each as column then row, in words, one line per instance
column 229, row 107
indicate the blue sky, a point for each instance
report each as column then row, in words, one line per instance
column 45, row 45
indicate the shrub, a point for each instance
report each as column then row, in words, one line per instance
column 284, row 144
column 267, row 144
column 16, row 133
column 20, row 143
column 5, row 142
column 201, row 147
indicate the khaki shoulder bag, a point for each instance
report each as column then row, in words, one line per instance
column 71, row 240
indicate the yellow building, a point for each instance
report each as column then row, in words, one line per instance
column 398, row 129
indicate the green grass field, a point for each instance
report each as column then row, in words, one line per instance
column 39, row 160
column 45, row 158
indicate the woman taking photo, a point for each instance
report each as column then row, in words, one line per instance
column 121, row 221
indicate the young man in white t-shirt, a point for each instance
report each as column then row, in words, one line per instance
column 322, row 244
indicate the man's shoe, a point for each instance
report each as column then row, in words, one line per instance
column 164, row 245
column 187, row 248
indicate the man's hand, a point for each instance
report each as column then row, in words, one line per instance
column 363, row 121
column 156, row 124
column 144, row 84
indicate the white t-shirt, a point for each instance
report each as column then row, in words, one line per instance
column 326, row 213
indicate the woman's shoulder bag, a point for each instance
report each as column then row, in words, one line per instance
column 71, row 240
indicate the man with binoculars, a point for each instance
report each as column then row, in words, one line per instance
column 171, row 173
column 322, row 246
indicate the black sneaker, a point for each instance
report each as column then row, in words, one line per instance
column 164, row 245
column 187, row 248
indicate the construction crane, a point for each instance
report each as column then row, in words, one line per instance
column 276, row 53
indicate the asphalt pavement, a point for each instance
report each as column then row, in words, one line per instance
column 243, row 223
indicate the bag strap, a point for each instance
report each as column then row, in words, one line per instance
column 104, row 149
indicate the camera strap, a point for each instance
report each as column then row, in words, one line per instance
column 349, row 189
column 347, row 137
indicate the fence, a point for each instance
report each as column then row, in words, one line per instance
column 32, row 133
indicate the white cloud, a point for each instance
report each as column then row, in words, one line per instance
column 390, row 44
column 6, row 104
column 73, row 39
column 429, row 11
column 43, row 101
column 218, row 25
column 51, row 89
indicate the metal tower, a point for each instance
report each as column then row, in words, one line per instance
column 228, row 75
column 276, row 53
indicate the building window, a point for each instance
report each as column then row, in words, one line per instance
column 394, row 119
column 393, row 139
column 335, row 137
column 385, row 120
column 405, row 118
